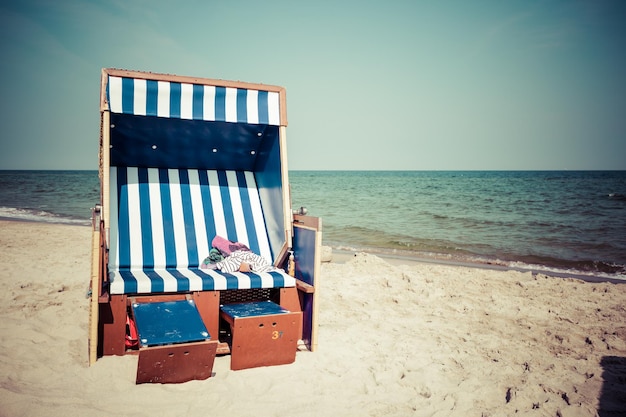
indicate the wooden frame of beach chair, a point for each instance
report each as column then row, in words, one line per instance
column 183, row 159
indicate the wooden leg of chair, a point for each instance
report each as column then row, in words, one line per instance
column 208, row 305
column 113, row 319
column 289, row 299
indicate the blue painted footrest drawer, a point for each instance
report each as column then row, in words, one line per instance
column 260, row 308
column 169, row 322
column 263, row 334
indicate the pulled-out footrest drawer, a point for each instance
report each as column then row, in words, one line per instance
column 174, row 344
column 263, row 334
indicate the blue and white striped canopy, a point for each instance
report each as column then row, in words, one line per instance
column 169, row 121
column 191, row 101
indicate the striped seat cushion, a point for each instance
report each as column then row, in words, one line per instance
column 162, row 222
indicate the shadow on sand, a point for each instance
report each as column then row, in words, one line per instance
column 613, row 396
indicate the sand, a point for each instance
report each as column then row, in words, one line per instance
column 415, row 339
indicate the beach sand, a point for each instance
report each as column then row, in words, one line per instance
column 417, row 339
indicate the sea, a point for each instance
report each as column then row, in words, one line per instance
column 569, row 223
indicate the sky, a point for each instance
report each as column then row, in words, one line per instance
column 371, row 85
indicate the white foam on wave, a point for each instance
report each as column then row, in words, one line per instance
column 565, row 272
column 487, row 263
column 12, row 213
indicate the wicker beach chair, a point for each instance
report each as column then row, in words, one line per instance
column 183, row 160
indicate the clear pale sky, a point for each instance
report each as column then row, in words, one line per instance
column 415, row 85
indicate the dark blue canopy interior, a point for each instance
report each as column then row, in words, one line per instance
column 145, row 141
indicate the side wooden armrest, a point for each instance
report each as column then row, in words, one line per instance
column 304, row 287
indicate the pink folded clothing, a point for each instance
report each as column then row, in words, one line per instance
column 226, row 247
